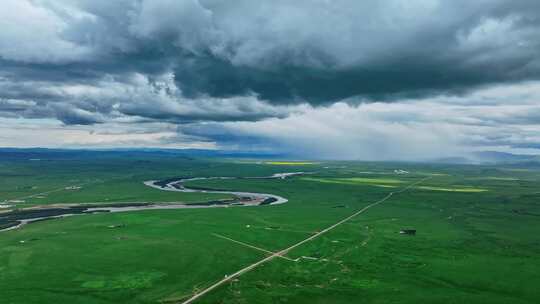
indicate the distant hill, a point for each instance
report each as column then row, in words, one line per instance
column 49, row 154
column 493, row 157
column 484, row 157
column 503, row 157
column 454, row 160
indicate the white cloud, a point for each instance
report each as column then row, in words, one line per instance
column 408, row 130
column 32, row 33
column 48, row 133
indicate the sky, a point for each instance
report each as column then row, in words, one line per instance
column 341, row 79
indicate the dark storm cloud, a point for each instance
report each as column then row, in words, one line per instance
column 86, row 62
column 398, row 78
column 215, row 132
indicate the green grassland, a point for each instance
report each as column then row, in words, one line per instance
column 478, row 239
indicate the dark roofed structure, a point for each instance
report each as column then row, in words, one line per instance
column 408, row 231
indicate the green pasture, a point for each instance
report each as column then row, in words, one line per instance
column 471, row 246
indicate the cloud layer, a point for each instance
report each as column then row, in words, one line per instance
column 266, row 73
column 505, row 118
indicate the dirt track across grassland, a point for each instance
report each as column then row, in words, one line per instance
column 281, row 253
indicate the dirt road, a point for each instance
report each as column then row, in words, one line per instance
column 286, row 250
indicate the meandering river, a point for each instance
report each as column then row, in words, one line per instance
column 18, row 218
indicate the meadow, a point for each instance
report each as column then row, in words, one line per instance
column 477, row 234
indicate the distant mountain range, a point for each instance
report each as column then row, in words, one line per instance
column 493, row 157
column 45, row 153
column 484, row 157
